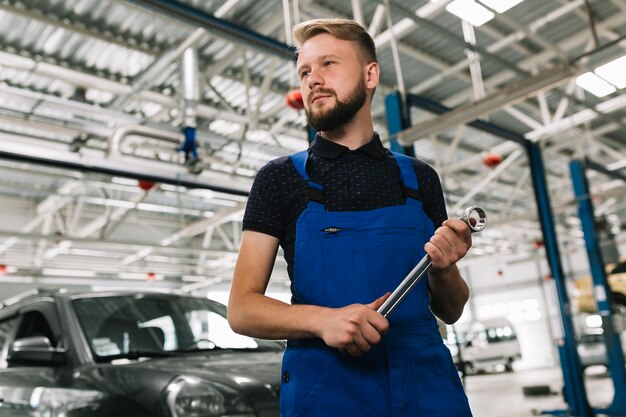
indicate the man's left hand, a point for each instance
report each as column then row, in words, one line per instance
column 449, row 244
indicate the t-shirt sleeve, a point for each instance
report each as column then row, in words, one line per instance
column 264, row 210
column 431, row 193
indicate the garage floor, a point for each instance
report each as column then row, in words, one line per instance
column 501, row 394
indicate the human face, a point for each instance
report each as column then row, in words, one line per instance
column 333, row 81
column 342, row 112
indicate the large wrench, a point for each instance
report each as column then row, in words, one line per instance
column 476, row 219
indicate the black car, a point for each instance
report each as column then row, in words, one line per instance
column 131, row 355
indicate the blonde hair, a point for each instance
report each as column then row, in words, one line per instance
column 344, row 29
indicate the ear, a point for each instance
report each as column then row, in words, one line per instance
column 372, row 75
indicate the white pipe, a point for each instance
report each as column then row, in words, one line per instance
column 357, row 12
column 377, row 19
column 287, row 22
column 147, row 76
column 115, row 141
column 404, row 26
column 394, row 52
column 191, row 89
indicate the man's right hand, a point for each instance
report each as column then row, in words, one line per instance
column 354, row 328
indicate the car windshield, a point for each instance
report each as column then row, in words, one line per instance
column 591, row 338
column 133, row 326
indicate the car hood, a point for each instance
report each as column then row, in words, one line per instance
column 241, row 370
column 256, row 375
column 232, row 368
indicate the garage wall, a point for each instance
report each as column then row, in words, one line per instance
column 501, row 287
column 514, row 290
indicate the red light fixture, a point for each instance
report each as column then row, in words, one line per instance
column 145, row 185
column 492, row 160
column 3, row 269
column 150, row 276
column 294, row 100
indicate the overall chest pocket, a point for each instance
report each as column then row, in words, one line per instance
column 344, row 239
column 362, row 264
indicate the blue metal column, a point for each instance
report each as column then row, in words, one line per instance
column 570, row 362
column 575, row 393
column 602, row 291
column 397, row 120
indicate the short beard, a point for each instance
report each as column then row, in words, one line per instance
column 342, row 113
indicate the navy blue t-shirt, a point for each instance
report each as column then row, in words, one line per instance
column 362, row 179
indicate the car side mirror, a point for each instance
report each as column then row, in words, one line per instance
column 35, row 350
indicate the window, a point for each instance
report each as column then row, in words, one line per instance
column 35, row 324
column 125, row 326
column 212, row 329
column 500, row 334
column 7, row 327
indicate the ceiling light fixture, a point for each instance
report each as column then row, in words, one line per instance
column 501, row 6
column 470, row 11
column 68, row 272
column 594, row 84
column 614, row 72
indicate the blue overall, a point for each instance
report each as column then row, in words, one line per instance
column 342, row 258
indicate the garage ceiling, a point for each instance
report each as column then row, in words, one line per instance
column 94, row 189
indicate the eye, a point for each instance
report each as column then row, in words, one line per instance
column 304, row 73
column 327, row 63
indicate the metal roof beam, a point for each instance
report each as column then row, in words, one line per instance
column 529, row 63
column 222, row 28
column 543, row 80
column 497, row 46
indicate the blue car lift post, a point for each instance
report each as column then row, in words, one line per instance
column 575, row 394
column 601, row 289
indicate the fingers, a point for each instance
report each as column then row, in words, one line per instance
column 459, row 227
column 378, row 322
column 359, row 346
column 375, row 305
column 356, row 328
column 450, row 243
column 362, row 342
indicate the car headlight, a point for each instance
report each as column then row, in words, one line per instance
column 50, row 402
column 193, row 397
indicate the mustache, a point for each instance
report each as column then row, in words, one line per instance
column 321, row 90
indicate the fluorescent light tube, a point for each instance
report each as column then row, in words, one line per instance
column 594, row 84
column 614, row 72
column 470, row 11
column 68, row 272
column 500, row 6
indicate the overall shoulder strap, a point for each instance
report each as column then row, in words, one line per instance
column 299, row 161
column 411, row 185
column 315, row 191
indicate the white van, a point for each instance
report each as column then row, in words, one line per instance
column 487, row 345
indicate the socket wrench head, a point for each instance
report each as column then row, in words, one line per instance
column 475, row 217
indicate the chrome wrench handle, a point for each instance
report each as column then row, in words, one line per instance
column 475, row 217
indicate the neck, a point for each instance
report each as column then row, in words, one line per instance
column 355, row 133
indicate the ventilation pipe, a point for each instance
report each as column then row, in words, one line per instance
column 190, row 97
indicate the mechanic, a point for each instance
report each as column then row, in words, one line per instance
column 353, row 219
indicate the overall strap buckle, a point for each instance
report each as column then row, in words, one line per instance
column 412, row 193
column 315, row 192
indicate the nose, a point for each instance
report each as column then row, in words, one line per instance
column 314, row 79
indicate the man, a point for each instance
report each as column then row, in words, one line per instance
column 353, row 219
